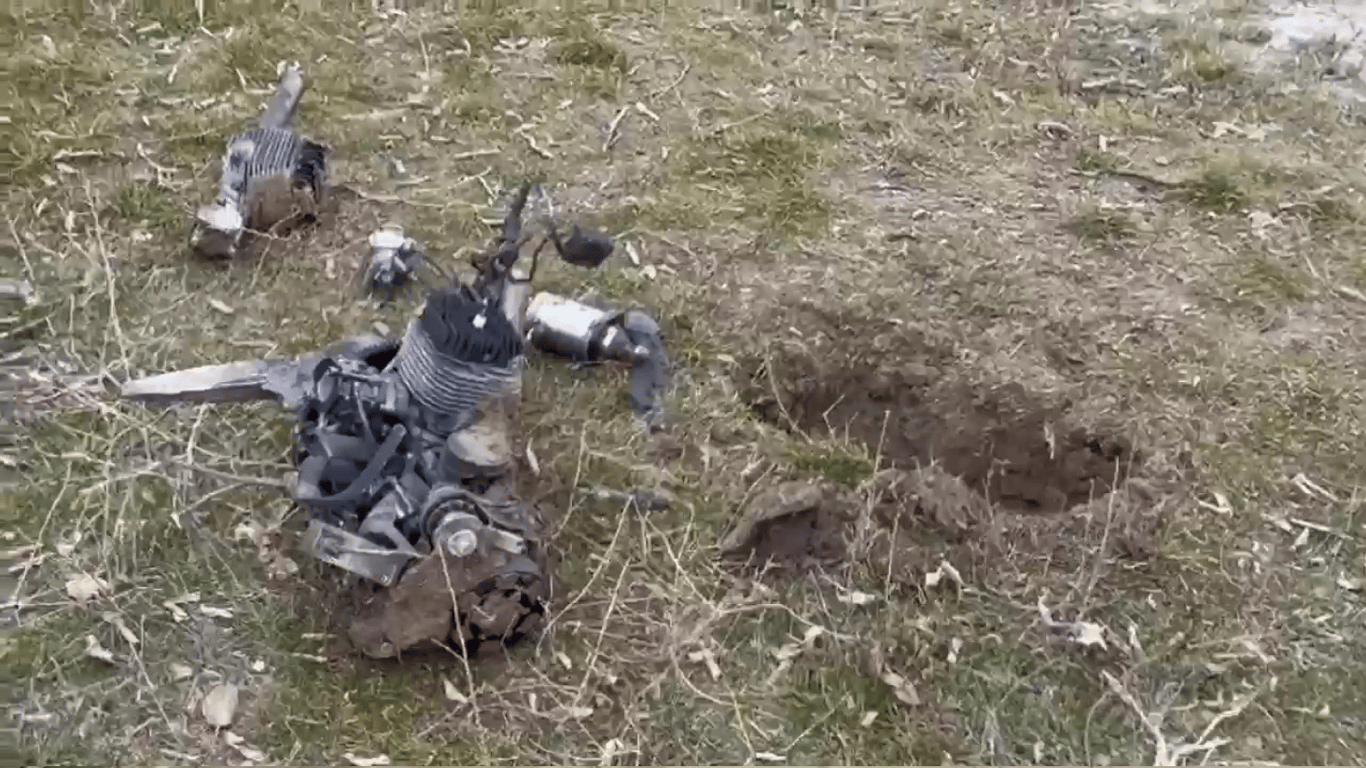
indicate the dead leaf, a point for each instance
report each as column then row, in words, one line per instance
column 955, row 645
column 1260, row 222
column 578, row 713
column 867, row 719
column 933, row 578
column 633, row 254
column 901, row 688
column 278, row 566
column 249, row 531
column 82, row 587
column 1083, row 633
column 705, row 656
column 791, row 650
column 117, row 621
column 532, row 461
column 1089, row 633
column 216, row 613
column 1220, row 505
column 769, row 757
column 94, row 650
column 220, row 307
column 220, row 705
column 610, row 750
column 173, row 605
column 453, row 693
column 366, row 761
column 856, row 598
column 240, row 744
column 180, row 672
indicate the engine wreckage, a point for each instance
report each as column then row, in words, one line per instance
column 405, row 465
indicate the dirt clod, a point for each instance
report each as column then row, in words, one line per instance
column 794, row 523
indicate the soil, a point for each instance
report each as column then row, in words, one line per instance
column 1019, row 452
column 794, row 523
column 991, row 477
column 921, row 517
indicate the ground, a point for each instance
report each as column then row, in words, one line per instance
column 1023, row 341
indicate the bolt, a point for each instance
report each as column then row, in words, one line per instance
column 461, row 543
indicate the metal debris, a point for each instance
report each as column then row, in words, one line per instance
column 271, row 177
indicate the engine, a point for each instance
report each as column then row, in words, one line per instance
column 404, row 469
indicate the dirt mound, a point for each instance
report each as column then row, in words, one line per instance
column 997, row 480
column 795, row 523
column 921, row 517
column 924, row 515
column 1002, row 442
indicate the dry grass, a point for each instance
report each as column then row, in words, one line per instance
column 938, row 196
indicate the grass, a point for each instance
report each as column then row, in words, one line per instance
column 864, row 193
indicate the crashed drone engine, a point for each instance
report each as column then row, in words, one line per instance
column 403, row 446
column 271, row 177
column 405, row 468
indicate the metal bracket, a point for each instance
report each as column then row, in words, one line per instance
column 355, row 554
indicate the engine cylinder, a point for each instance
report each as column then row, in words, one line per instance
column 460, row 353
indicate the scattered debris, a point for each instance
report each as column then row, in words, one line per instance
column 1083, row 633
column 1311, row 488
column 590, row 335
column 269, row 549
column 405, row 457
column 610, row 750
column 584, row 247
column 855, row 597
column 641, row 501
column 393, row 261
column 271, row 178
column 707, row 658
column 174, row 605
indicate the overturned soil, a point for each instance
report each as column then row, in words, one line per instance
column 794, row 523
column 922, row 517
column 1002, row 442
column 995, row 479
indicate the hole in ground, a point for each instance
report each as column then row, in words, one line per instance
column 1003, row 442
